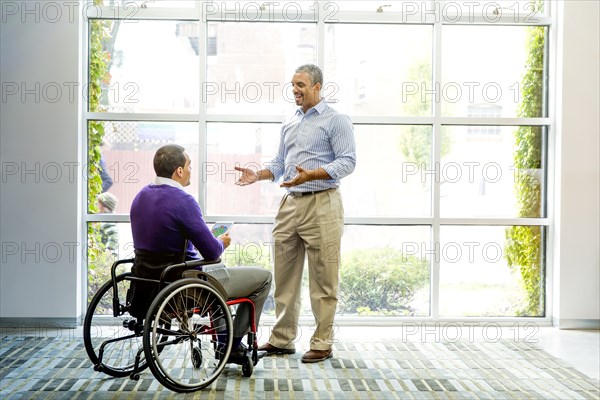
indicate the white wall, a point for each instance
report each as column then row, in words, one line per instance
column 577, row 219
column 39, row 206
column 40, row 210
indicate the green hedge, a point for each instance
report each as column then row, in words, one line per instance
column 524, row 244
column 380, row 281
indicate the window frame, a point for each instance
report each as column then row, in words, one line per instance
column 436, row 120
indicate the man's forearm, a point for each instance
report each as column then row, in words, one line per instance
column 318, row 174
column 265, row 174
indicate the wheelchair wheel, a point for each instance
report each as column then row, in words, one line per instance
column 248, row 366
column 193, row 351
column 112, row 342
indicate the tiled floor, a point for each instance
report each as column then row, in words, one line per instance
column 415, row 360
column 579, row 348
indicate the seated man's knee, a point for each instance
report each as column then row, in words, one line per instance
column 268, row 277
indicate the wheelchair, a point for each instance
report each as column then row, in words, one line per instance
column 185, row 337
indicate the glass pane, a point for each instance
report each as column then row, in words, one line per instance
column 137, row 4
column 245, row 145
column 365, row 75
column 107, row 242
column 153, row 66
column 492, row 171
column 391, row 176
column 406, row 6
column 252, row 10
column 128, row 150
column 252, row 244
column 384, row 272
column 491, row 271
column 524, row 11
column 393, row 274
column 493, row 71
column 250, row 65
column 368, row 191
column 398, row 270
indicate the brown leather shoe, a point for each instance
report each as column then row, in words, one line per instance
column 270, row 349
column 313, row 356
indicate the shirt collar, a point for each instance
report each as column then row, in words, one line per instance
column 167, row 181
column 319, row 108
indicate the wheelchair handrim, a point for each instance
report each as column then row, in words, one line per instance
column 155, row 326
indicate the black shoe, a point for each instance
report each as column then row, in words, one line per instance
column 261, row 354
column 239, row 355
column 270, row 349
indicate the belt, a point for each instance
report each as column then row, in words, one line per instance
column 302, row 194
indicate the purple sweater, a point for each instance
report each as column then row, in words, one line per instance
column 163, row 216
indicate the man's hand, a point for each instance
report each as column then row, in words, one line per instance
column 304, row 175
column 225, row 239
column 249, row 176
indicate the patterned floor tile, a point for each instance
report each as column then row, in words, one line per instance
column 58, row 368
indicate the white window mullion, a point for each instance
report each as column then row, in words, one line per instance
column 202, row 123
column 551, row 166
column 320, row 37
column 436, row 151
column 154, row 117
column 131, row 13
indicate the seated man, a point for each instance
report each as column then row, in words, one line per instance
column 165, row 218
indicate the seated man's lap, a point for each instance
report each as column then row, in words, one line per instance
column 245, row 280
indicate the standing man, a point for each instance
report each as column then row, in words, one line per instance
column 316, row 150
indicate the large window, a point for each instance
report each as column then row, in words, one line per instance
column 446, row 212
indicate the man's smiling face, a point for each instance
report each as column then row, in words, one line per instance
column 306, row 94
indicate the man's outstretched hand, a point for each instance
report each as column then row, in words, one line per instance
column 249, row 176
column 302, row 176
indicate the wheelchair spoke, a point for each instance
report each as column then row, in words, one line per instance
column 169, row 332
column 111, row 342
column 200, row 316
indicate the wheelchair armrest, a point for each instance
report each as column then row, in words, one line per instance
column 184, row 266
column 209, row 279
column 198, row 263
column 113, row 269
column 113, row 278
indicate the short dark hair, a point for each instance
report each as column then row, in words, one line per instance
column 167, row 159
column 315, row 73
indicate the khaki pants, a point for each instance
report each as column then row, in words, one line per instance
column 312, row 226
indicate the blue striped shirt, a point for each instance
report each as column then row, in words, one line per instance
column 321, row 138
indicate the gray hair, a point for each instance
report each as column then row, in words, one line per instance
column 315, row 73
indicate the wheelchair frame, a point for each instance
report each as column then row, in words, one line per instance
column 185, row 338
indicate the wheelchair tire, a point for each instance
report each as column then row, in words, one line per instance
column 118, row 334
column 196, row 357
column 193, row 311
column 248, row 367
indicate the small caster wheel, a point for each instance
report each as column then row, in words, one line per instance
column 248, row 367
column 196, row 357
